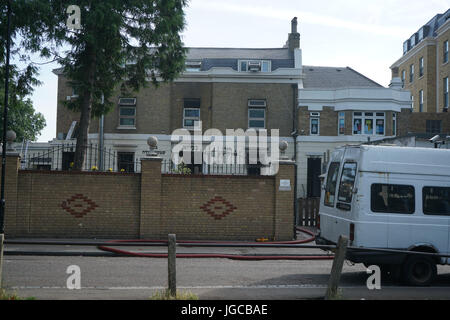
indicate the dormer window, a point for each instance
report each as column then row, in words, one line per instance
column 254, row 66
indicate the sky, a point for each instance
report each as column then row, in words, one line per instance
column 365, row 35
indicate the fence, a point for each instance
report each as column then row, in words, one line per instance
column 168, row 167
column 308, row 212
column 61, row 158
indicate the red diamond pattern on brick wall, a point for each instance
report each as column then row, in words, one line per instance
column 79, row 205
column 218, row 208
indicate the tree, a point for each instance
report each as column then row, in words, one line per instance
column 120, row 44
column 23, row 120
column 21, row 115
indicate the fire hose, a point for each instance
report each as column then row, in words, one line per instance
column 190, row 243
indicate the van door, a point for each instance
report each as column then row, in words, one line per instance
column 436, row 211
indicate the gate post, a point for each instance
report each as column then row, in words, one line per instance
column 284, row 201
column 336, row 269
column 150, row 210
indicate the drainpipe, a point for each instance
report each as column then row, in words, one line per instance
column 101, row 140
column 294, row 135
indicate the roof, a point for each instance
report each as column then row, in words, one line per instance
column 408, row 160
column 335, row 78
column 437, row 21
column 228, row 57
column 238, row 53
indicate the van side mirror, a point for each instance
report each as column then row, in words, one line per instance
column 355, row 190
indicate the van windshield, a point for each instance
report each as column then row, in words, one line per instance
column 330, row 188
column 347, row 182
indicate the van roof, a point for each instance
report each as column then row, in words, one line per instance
column 410, row 160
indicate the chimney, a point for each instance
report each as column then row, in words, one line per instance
column 294, row 36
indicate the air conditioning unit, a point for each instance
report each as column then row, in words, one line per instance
column 193, row 64
column 127, row 101
column 254, row 66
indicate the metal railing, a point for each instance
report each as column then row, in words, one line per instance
column 61, row 158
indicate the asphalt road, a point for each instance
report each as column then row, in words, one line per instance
column 45, row 277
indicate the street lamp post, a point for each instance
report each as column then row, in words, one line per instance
column 5, row 127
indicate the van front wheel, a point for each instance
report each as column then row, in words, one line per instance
column 419, row 271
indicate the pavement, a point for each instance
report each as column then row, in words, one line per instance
column 130, row 278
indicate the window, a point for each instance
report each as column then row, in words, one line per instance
column 191, row 113
column 433, row 126
column 421, row 65
column 446, row 102
column 412, row 102
column 369, row 123
column 394, row 124
column 125, row 161
column 256, row 118
column 405, row 46
column 436, row 200
column 411, row 73
column 341, row 123
column 330, row 187
column 127, row 112
column 347, row 181
column 403, row 77
column 193, row 66
column 392, row 198
column 75, row 91
column 446, row 51
column 314, row 119
column 421, row 101
column 190, row 116
column 254, row 65
column 257, row 103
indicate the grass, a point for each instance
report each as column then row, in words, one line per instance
column 181, row 295
column 4, row 295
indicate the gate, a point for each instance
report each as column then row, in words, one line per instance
column 308, row 212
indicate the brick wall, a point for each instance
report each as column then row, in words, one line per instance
column 147, row 205
column 413, row 122
column 160, row 110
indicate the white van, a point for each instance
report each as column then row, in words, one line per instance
column 389, row 197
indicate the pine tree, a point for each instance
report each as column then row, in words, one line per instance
column 121, row 44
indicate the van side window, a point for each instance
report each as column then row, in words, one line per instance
column 436, row 200
column 330, row 187
column 347, row 182
column 392, row 198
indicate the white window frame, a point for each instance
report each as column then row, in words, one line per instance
column 446, row 93
column 420, row 100
column 421, row 67
column 190, row 118
column 403, row 77
column 341, row 116
column 445, row 53
column 269, row 64
column 257, row 119
column 374, row 117
column 131, row 105
column 314, row 116
column 394, row 124
column 193, row 66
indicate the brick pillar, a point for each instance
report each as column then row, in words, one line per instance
column 11, row 182
column 150, row 212
column 284, row 201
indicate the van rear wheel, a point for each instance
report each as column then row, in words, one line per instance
column 419, row 271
